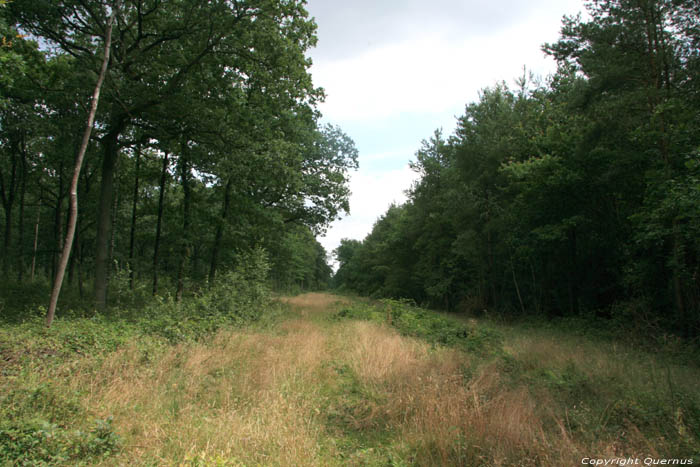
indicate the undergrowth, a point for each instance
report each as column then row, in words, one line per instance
column 44, row 422
column 411, row 320
column 214, row 380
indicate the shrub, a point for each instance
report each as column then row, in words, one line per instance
column 38, row 442
column 411, row 320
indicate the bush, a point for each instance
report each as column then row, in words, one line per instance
column 237, row 297
column 38, row 442
column 411, row 320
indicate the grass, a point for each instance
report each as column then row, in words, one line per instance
column 324, row 380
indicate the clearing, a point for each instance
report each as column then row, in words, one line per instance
column 315, row 387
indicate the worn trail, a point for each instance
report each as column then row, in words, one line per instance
column 313, row 389
column 310, row 390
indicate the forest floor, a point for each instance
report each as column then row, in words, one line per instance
column 316, row 388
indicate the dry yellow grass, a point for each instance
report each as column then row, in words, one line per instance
column 315, row 302
column 448, row 419
column 240, row 396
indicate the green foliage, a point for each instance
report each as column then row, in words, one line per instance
column 36, row 427
column 44, row 425
column 414, row 321
column 43, row 443
column 238, row 297
column 208, row 128
column 298, row 262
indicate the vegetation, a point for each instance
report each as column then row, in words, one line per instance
column 48, row 376
column 575, row 197
column 206, row 144
column 562, row 220
column 324, row 380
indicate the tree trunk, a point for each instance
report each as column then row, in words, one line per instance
column 104, row 218
column 163, row 178
column 517, row 287
column 36, row 241
column 186, row 201
column 57, row 224
column 113, row 230
column 76, row 174
column 6, row 242
column 573, row 276
column 23, row 191
column 132, row 233
column 220, row 232
column 72, row 258
column 79, row 252
column 7, row 196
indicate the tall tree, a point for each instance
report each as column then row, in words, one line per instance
column 73, row 219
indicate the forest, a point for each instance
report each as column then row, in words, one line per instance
column 574, row 196
column 207, row 144
column 166, row 172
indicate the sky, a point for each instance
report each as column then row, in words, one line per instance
column 394, row 71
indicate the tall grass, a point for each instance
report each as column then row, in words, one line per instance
column 338, row 382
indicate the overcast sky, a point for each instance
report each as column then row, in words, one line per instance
column 394, row 71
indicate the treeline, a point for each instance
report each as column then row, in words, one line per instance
column 207, row 143
column 575, row 197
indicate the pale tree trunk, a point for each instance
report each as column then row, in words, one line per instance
column 76, row 174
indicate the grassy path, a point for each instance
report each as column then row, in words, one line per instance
column 311, row 388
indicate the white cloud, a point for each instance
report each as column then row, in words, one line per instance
column 430, row 72
column 372, row 193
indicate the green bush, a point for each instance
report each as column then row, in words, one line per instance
column 38, row 442
column 411, row 320
column 237, row 297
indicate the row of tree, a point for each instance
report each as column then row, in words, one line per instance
column 206, row 141
column 577, row 196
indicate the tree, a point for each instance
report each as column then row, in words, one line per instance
column 164, row 54
column 76, row 172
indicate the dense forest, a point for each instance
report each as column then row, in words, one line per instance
column 206, row 144
column 576, row 196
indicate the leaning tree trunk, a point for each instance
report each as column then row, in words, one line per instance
column 76, row 174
